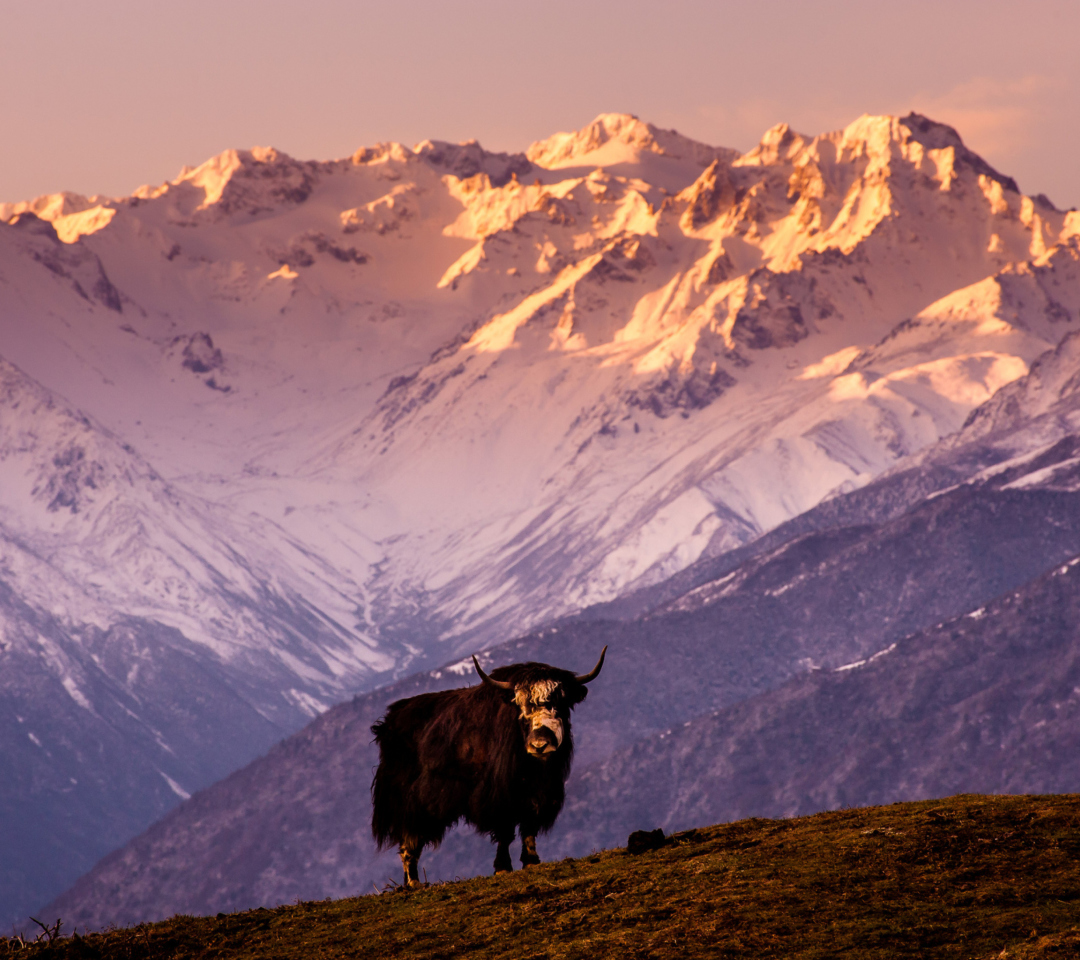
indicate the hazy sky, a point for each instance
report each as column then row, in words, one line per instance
column 101, row 96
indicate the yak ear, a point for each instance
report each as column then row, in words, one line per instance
column 575, row 693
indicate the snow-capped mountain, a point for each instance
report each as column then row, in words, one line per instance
column 701, row 369
column 314, row 424
column 90, row 529
column 493, row 388
column 144, row 656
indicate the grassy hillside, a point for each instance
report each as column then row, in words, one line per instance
column 970, row 876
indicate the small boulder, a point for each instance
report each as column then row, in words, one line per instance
column 642, row 841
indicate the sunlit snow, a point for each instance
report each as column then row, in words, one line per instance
column 334, row 414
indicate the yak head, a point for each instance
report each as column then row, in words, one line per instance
column 543, row 696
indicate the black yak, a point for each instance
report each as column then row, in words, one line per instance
column 495, row 755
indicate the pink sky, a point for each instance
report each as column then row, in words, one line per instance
column 102, row 97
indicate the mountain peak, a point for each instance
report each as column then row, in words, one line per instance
column 50, row 206
column 938, row 136
column 468, row 158
column 880, row 139
column 778, row 143
column 250, row 179
column 620, row 138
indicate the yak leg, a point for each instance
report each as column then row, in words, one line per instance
column 528, row 850
column 503, row 864
column 411, row 847
column 528, row 842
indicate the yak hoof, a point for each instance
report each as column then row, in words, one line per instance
column 503, row 864
column 529, row 860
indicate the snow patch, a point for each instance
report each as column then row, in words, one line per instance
column 462, row 667
column 312, row 706
column 175, row 787
column 854, row 665
column 75, row 693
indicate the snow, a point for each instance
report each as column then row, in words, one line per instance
column 74, row 225
column 309, row 704
column 672, row 538
column 445, row 389
column 175, row 787
column 831, row 365
column 75, row 693
column 1040, row 477
column 462, row 668
column 854, row 665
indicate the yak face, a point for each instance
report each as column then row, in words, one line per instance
column 545, row 715
column 543, row 696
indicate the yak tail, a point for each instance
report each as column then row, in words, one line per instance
column 382, row 826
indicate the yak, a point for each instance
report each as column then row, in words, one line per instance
column 495, row 755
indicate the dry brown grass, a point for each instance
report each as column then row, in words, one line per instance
column 969, row 876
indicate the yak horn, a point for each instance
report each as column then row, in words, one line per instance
column 501, row 684
column 585, row 678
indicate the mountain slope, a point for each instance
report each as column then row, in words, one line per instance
column 142, row 656
column 984, row 702
column 94, row 529
column 759, row 641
